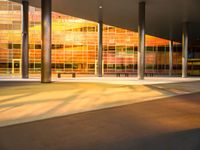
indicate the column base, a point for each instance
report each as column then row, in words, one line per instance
column 184, row 76
column 46, row 82
column 140, row 78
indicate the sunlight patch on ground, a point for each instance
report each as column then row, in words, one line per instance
column 20, row 102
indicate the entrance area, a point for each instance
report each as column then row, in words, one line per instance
column 16, row 67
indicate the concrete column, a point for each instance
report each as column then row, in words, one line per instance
column 184, row 49
column 100, row 42
column 141, row 48
column 46, row 41
column 25, row 41
column 170, row 57
column 100, row 48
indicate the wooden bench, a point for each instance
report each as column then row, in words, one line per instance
column 150, row 74
column 119, row 74
column 72, row 73
column 125, row 74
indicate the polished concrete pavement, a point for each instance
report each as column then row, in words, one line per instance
column 171, row 123
column 29, row 100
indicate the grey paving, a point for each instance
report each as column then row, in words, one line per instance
column 29, row 100
column 165, row 124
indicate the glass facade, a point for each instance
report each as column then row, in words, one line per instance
column 75, row 45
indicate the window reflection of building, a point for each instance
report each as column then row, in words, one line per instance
column 74, row 44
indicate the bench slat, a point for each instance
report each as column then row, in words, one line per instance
column 73, row 74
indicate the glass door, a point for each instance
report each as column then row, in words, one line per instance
column 16, row 67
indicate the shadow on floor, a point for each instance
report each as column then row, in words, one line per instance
column 166, row 124
column 183, row 140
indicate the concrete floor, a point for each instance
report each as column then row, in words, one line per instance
column 29, row 100
column 111, row 80
column 163, row 124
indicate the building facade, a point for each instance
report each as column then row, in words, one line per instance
column 75, row 46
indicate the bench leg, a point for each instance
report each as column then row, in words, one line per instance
column 59, row 75
column 73, row 75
